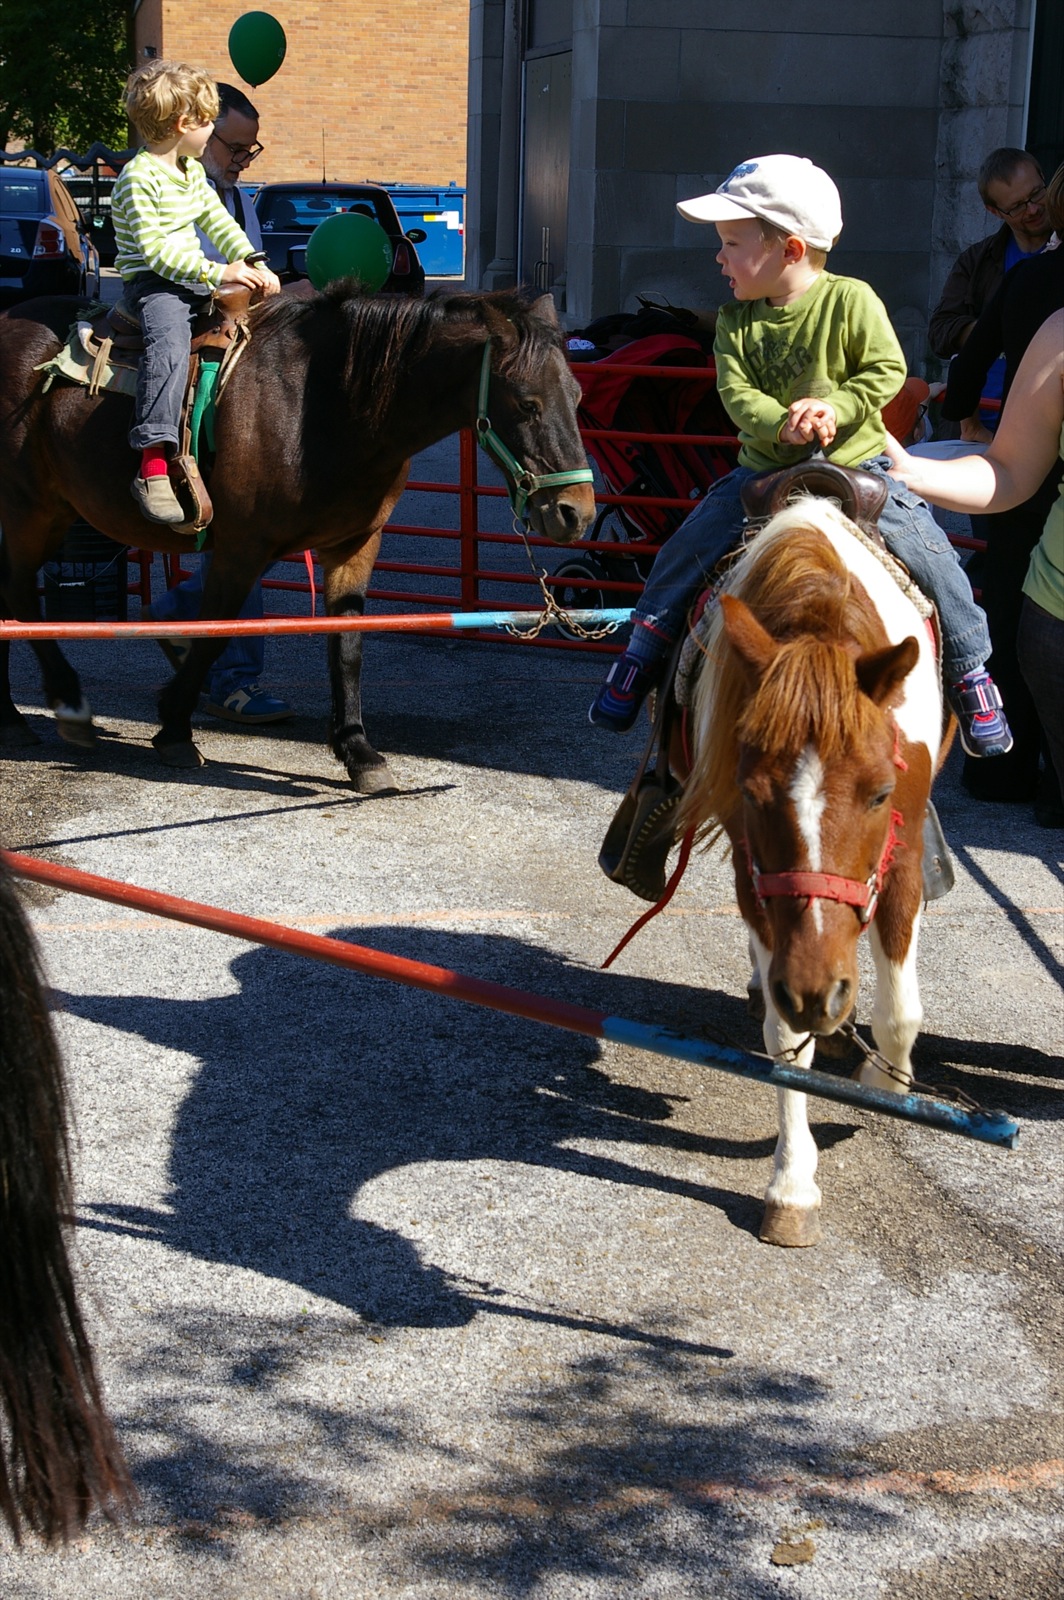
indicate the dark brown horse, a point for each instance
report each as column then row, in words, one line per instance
column 314, row 435
column 58, row 1454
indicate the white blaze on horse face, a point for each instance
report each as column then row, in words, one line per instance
column 807, row 793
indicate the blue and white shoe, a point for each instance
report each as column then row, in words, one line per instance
column 627, row 685
column 250, row 705
column 977, row 705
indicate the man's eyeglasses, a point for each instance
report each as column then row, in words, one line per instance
column 1036, row 196
column 248, row 152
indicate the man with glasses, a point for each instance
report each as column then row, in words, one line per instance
column 1012, row 189
column 232, row 688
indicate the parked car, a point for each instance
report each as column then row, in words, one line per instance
column 45, row 243
column 93, row 200
column 288, row 213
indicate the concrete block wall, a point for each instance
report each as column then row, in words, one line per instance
column 388, row 82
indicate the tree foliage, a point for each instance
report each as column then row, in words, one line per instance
column 63, row 65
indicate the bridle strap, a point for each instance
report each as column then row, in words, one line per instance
column 522, row 483
column 827, row 885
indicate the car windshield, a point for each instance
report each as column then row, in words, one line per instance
column 296, row 211
column 22, row 194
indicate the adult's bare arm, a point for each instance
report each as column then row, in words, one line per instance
column 1025, row 446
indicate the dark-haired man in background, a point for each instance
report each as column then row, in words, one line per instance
column 1012, row 189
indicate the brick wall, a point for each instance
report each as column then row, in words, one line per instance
column 389, row 83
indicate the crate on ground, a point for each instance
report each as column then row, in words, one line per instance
column 86, row 580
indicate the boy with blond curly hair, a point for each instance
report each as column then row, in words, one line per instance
column 806, row 361
column 159, row 200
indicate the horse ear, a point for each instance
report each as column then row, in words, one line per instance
column 500, row 327
column 748, row 638
column 881, row 672
column 545, row 310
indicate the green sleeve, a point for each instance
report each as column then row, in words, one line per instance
column 752, row 411
column 874, row 357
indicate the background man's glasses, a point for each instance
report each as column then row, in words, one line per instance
column 1035, row 198
column 248, row 152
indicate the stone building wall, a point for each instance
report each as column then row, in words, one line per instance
column 898, row 101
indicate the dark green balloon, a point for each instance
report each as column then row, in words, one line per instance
column 349, row 245
column 256, row 46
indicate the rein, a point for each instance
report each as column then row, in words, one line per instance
column 523, row 483
column 864, row 896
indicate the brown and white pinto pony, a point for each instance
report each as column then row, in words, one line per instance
column 816, row 730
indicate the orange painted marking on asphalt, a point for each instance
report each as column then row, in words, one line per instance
column 988, row 1480
column 525, row 1507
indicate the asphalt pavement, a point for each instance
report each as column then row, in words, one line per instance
column 393, row 1296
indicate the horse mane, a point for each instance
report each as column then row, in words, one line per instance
column 377, row 338
column 800, row 590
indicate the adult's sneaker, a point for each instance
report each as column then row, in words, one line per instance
column 977, row 705
column 250, row 705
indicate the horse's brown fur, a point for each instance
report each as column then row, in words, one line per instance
column 805, row 597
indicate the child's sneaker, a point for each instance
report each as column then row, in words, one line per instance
column 977, row 705
column 627, row 685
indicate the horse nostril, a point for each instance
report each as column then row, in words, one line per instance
column 839, row 999
column 785, row 1002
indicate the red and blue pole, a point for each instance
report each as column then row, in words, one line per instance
column 990, row 1127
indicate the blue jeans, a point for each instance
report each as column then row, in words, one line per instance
column 165, row 310
column 240, row 663
column 909, row 531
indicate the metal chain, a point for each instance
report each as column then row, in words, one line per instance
column 552, row 612
column 848, row 1031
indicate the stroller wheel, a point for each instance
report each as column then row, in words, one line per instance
column 578, row 594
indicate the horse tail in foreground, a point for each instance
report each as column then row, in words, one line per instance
column 59, row 1457
column 817, row 729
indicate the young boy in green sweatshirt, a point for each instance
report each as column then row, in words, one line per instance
column 805, row 361
column 159, row 200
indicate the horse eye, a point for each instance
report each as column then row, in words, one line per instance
column 530, row 408
column 881, row 798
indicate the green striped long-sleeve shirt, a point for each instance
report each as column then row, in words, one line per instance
column 156, row 210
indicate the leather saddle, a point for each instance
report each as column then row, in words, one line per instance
column 214, row 328
column 860, row 495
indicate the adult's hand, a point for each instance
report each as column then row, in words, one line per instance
column 973, row 431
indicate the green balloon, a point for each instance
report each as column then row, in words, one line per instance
column 256, row 46
column 349, row 245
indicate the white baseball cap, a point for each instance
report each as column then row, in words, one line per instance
column 788, row 191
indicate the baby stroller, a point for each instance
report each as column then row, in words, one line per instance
column 629, row 535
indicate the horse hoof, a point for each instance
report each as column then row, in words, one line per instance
column 374, row 780
column 17, row 735
column 75, row 726
column 795, row 1227
column 184, row 756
